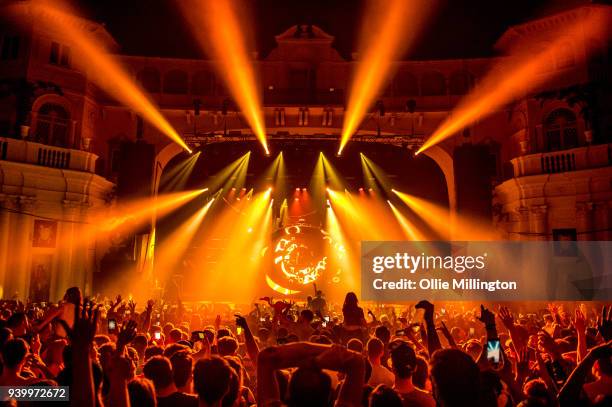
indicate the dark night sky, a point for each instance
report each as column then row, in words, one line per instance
column 458, row 28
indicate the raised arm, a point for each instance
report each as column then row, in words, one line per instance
column 249, row 339
column 580, row 326
column 82, row 335
column 433, row 342
column 352, row 364
column 570, row 393
column 280, row 357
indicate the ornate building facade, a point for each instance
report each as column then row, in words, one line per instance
column 550, row 171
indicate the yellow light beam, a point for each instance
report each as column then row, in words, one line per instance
column 219, row 32
column 514, row 76
column 339, row 249
column 331, row 176
column 435, row 215
column 356, row 217
column 409, row 229
column 223, row 177
column 176, row 244
column 138, row 211
column 102, row 68
column 390, row 28
column 176, row 178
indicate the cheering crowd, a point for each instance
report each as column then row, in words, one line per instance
column 117, row 353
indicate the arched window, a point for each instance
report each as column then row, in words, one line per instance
column 460, row 83
column 406, row 84
column 52, row 125
column 176, row 82
column 433, row 84
column 150, row 79
column 560, row 130
column 202, row 83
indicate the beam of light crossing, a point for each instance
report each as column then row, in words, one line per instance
column 389, row 29
column 220, row 33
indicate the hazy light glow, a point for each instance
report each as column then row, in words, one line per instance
column 178, row 241
column 388, row 30
column 409, row 229
column 525, row 70
column 102, row 68
column 447, row 227
column 136, row 212
column 220, row 33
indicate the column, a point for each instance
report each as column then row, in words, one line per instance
column 584, row 220
column 22, row 236
column 66, row 274
column 8, row 206
column 81, row 257
column 538, row 220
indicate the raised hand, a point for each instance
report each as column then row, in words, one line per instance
column 579, row 321
column 506, row 317
column 486, row 316
column 428, row 307
column 241, row 321
column 132, row 306
column 604, row 323
column 85, row 325
column 126, row 335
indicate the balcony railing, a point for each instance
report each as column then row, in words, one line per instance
column 575, row 159
column 28, row 152
column 303, row 97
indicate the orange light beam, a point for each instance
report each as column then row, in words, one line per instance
column 140, row 210
column 102, row 68
column 178, row 241
column 217, row 29
column 406, row 225
column 521, row 72
column 435, row 215
column 390, row 28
